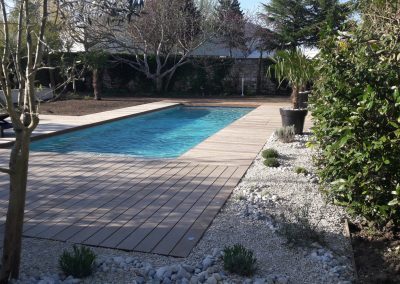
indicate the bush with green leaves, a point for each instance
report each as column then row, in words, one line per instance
column 271, row 162
column 356, row 111
column 237, row 259
column 285, row 134
column 270, row 153
column 79, row 263
column 301, row 170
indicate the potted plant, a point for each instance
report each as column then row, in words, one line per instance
column 295, row 68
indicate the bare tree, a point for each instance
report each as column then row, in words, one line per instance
column 85, row 22
column 24, row 118
column 160, row 39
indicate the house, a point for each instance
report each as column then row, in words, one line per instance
column 259, row 44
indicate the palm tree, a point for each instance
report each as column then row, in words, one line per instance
column 295, row 68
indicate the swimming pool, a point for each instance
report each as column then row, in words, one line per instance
column 162, row 134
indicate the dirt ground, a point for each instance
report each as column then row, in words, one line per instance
column 83, row 107
column 377, row 255
column 78, row 107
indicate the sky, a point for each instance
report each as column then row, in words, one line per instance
column 252, row 5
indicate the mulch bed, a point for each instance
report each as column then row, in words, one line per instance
column 89, row 106
column 377, row 254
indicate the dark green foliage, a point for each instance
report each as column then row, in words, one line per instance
column 270, row 153
column 95, row 59
column 231, row 24
column 193, row 20
column 271, row 162
column 78, row 263
column 356, row 110
column 239, row 260
column 301, row 170
column 299, row 22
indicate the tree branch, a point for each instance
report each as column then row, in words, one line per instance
column 6, row 171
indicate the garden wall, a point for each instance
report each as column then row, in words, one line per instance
column 201, row 76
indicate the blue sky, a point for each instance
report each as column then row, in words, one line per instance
column 252, row 5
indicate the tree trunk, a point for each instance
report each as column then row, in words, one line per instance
column 19, row 160
column 171, row 74
column 96, row 83
column 159, row 84
column 51, row 75
column 295, row 97
column 259, row 70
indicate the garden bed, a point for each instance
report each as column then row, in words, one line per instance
column 89, row 106
column 377, row 254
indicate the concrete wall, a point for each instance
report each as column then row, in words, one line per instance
column 41, row 94
column 253, row 72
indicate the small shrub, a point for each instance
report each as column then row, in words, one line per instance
column 271, row 162
column 78, row 263
column 239, row 260
column 264, row 193
column 285, row 134
column 301, row 170
column 270, row 153
column 299, row 230
column 241, row 196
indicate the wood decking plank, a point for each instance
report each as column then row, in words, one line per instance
column 162, row 207
column 198, row 228
column 167, row 244
column 113, row 209
column 132, row 215
column 121, row 217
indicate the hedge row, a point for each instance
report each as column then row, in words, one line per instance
column 356, row 110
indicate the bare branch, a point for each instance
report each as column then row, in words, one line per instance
column 6, row 171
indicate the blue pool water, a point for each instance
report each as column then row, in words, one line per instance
column 162, row 134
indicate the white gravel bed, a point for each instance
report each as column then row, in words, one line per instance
column 252, row 216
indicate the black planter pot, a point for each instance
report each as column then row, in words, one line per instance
column 294, row 117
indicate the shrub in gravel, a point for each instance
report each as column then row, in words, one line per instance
column 241, row 196
column 271, row 162
column 301, row 170
column 78, row 263
column 270, row 153
column 299, row 230
column 285, row 134
column 237, row 259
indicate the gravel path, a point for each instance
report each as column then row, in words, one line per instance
column 260, row 215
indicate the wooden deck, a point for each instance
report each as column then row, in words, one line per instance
column 157, row 206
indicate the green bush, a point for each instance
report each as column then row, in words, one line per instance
column 271, row 162
column 270, row 153
column 237, row 259
column 301, row 170
column 285, row 134
column 356, row 111
column 78, row 263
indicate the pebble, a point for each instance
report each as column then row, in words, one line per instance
column 207, row 262
column 211, row 280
